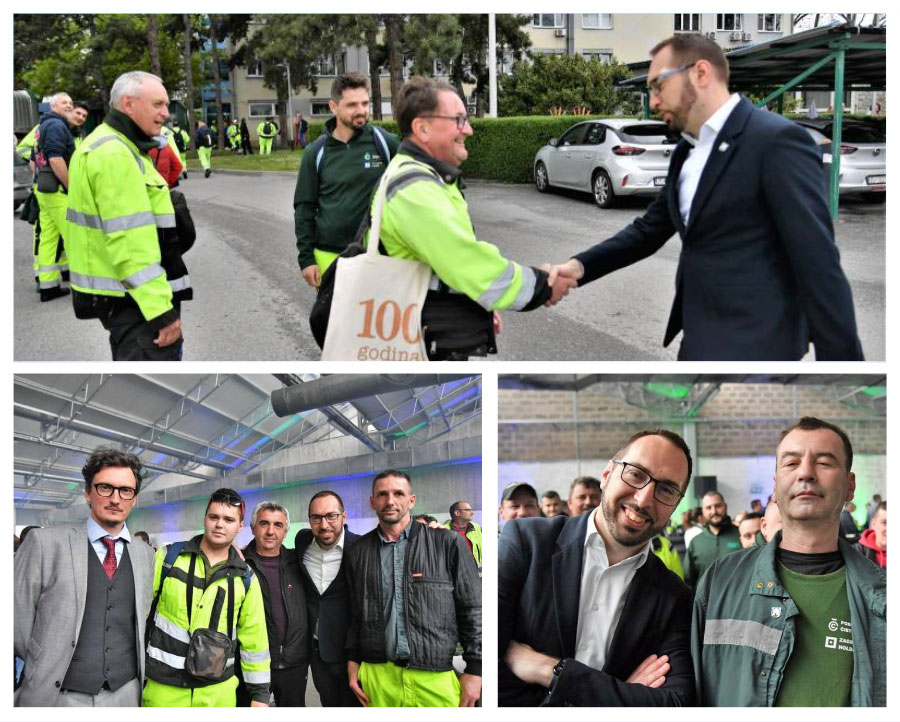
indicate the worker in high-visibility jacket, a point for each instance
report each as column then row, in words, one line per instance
column 194, row 595
column 233, row 132
column 25, row 147
column 116, row 202
column 426, row 219
column 266, row 131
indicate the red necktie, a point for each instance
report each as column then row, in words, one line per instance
column 109, row 564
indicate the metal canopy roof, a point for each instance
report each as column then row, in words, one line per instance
column 763, row 66
column 201, row 426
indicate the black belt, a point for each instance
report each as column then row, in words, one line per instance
column 400, row 662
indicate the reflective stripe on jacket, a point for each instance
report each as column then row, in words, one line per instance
column 170, row 629
column 427, row 220
column 116, row 202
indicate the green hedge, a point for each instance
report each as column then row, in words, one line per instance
column 501, row 149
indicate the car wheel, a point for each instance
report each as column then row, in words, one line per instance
column 875, row 198
column 603, row 190
column 541, row 179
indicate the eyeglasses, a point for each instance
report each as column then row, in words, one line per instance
column 330, row 517
column 653, row 85
column 126, row 493
column 222, row 497
column 664, row 492
column 461, row 120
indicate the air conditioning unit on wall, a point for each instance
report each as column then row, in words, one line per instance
column 736, row 35
column 711, row 34
column 560, row 32
column 746, row 37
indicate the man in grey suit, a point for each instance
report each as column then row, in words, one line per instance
column 82, row 596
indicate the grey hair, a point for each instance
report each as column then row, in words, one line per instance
column 269, row 506
column 129, row 84
column 55, row 98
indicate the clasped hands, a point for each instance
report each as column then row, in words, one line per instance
column 562, row 278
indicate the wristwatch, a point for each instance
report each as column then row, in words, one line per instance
column 557, row 671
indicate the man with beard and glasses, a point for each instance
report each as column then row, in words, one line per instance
column 719, row 537
column 414, row 592
column 588, row 616
column 338, row 172
column 759, row 277
column 800, row 621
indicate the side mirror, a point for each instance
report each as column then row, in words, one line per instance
column 553, row 142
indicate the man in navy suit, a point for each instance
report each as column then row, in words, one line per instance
column 320, row 550
column 588, row 615
column 759, row 277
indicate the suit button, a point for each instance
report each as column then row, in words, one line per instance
column 108, row 628
column 73, row 642
column 57, row 683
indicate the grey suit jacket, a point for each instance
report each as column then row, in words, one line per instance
column 50, row 590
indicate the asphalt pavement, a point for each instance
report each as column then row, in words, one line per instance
column 252, row 305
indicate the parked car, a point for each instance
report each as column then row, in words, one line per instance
column 863, row 155
column 21, row 180
column 608, row 158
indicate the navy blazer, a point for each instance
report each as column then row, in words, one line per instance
column 759, row 276
column 539, row 589
column 330, row 610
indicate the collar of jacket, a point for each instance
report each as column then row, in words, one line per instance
column 54, row 114
column 726, row 523
column 331, row 124
column 447, row 171
column 117, row 120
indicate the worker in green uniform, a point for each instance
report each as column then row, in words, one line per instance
column 234, row 135
column 117, row 200
column 425, row 218
column 719, row 537
column 200, row 586
column 266, row 131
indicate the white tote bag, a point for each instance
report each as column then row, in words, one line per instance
column 376, row 310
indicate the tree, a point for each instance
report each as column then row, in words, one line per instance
column 565, row 81
column 860, row 20
column 153, row 45
column 187, row 57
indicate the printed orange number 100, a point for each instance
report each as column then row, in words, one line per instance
column 390, row 310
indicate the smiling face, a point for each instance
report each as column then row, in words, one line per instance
column 583, row 498
column 327, row 533
column 631, row 517
column 439, row 136
column 811, row 478
column 269, row 531
column 391, row 500
column 110, row 512
column 551, row 506
column 221, row 525
column 352, row 110
column 520, row 505
column 714, row 509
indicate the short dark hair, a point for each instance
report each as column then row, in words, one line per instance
column 326, row 492
column 455, row 507
column 347, row 81
column 669, row 436
column 144, row 536
column 588, row 481
column 691, row 47
column 752, row 515
column 811, row 423
column 550, row 495
column 80, row 104
column 713, row 492
column 107, row 456
column 424, row 517
column 418, row 96
column 391, row 472
column 225, row 492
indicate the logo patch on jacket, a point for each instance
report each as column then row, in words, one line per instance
column 372, row 160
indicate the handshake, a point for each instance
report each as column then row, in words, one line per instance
column 562, row 278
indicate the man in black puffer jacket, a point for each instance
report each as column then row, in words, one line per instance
column 414, row 592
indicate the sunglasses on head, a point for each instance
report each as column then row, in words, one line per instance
column 222, row 497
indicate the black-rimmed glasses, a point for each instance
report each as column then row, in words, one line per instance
column 653, row 85
column 330, row 517
column 126, row 493
column 664, row 492
column 461, row 120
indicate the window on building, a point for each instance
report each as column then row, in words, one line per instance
column 439, row 69
column 597, row 21
column 255, row 69
column 687, row 22
column 548, row 20
column 319, row 107
column 768, row 22
column 602, row 56
column 729, row 21
column 326, row 65
column 261, row 109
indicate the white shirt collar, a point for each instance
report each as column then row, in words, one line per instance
column 716, row 121
column 95, row 531
column 593, row 537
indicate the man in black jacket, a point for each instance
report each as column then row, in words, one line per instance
column 320, row 551
column 414, row 592
column 282, row 589
column 588, row 616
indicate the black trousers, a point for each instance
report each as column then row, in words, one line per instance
column 332, row 682
column 131, row 337
column 288, row 685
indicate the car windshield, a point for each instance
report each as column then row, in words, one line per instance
column 863, row 133
column 648, row 134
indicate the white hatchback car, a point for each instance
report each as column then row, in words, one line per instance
column 608, row 158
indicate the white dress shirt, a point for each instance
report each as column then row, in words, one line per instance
column 692, row 170
column 323, row 565
column 96, row 532
column 602, row 598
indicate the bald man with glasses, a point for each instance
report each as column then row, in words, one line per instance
column 759, row 276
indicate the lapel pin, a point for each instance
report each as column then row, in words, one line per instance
column 723, row 146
